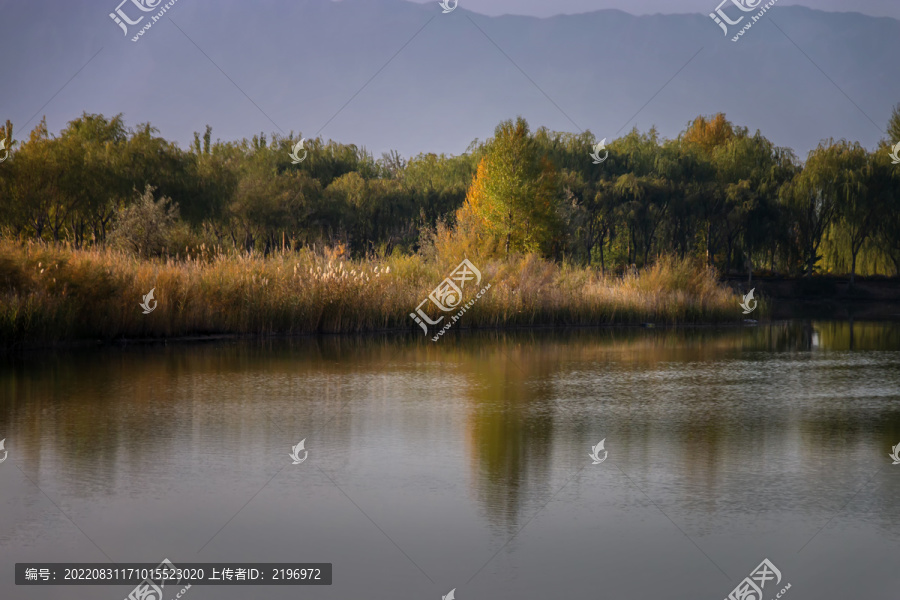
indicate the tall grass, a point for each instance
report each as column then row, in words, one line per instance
column 55, row 293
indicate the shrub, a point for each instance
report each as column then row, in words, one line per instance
column 145, row 228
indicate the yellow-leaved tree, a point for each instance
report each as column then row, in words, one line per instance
column 512, row 204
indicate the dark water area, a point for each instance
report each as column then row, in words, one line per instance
column 825, row 298
column 465, row 463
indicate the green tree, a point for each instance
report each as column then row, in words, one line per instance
column 859, row 199
column 813, row 198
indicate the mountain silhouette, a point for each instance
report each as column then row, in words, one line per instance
column 391, row 74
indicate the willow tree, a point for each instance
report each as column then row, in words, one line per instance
column 813, row 197
column 859, row 198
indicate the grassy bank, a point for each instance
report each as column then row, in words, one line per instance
column 53, row 293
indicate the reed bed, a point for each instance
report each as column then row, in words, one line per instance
column 52, row 293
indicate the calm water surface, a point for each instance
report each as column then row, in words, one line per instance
column 464, row 464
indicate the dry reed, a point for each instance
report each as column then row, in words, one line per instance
column 53, row 293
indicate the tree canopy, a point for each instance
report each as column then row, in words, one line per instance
column 717, row 192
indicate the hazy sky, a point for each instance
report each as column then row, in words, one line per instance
column 546, row 8
column 830, row 79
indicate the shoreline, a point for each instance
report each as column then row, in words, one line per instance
column 396, row 334
column 778, row 312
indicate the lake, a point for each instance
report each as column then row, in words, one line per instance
column 464, row 464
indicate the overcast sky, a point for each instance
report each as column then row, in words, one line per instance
column 546, row 8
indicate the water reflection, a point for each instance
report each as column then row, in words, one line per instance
column 692, row 416
column 509, row 429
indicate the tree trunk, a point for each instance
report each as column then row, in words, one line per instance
column 810, row 260
column 632, row 247
column 602, row 259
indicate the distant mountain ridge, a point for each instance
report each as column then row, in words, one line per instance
column 799, row 75
column 542, row 8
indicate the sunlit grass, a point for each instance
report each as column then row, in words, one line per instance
column 54, row 293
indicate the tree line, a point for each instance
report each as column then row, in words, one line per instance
column 716, row 193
